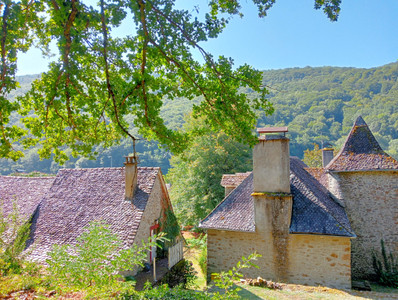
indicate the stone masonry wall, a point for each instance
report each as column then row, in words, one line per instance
column 226, row 248
column 320, row 260
column 312, row 259
column 151, row 213
column 371, row 200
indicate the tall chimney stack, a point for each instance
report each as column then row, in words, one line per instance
column 130, row 171
column 271, row 162
column 272, row 198
column 327, row 154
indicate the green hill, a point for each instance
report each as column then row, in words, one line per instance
column 321, row 104
column 318, row 104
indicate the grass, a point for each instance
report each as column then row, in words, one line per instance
column 16, row 284
column 192, row 253
column 293, row 292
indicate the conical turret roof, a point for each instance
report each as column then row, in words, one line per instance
column 361, row 152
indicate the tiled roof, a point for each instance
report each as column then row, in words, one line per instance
column 27, row 192
column 361, row 152
column 314, row 211
column 320, row 175
column 233, row 179
column 235, row 212
column 79, row 196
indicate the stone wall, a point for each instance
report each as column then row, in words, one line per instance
column 226, row 248
column 320, row 260
column 152, row 212
column 312, row 259
column 371, row 200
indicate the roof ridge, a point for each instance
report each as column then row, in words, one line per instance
column 27, row 177
column 101, row 168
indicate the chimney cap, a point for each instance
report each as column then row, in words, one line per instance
column 131, row 160
column 272, row 130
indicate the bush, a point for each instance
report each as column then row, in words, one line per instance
column 14, row 232
column 95, row 262
column 223, row 280
column 386, row 268
column 182, row 274
column 164, row 292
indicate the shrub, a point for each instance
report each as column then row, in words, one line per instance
column 223, row 280
column 164, row 292
column 95, row 262
column 386, row 268
column 181, row 274
column 14, row 232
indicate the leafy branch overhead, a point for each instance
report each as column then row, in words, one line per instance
column 99, row 78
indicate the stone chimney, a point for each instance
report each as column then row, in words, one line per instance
column 272, row 198
column 271, row 162
column 327, row 154
column 130, row 171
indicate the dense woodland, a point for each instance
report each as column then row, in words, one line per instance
column 318, row 104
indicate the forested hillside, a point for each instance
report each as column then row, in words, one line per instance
column 318, row 104
column 321, row 104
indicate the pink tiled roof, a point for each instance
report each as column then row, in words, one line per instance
column 80, row 196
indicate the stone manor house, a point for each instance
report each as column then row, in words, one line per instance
column 315, row 226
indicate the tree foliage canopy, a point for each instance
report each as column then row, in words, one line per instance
column 195, row 176
column 99, row 78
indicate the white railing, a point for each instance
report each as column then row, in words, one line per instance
column 175, row 254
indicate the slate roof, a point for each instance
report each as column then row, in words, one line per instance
column 361, row 152
column 79, row 196
column 314, row 211
column 27, row 192
column 235, row 212
column 231, row 180
column 320, row 175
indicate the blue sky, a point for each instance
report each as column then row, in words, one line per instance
column 296, row 35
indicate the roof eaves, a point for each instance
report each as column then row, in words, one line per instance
column 364, row 170
column 348, row 235
column 225, row 229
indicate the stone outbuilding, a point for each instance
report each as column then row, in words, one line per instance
column 132, row 200
column 299, row 219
